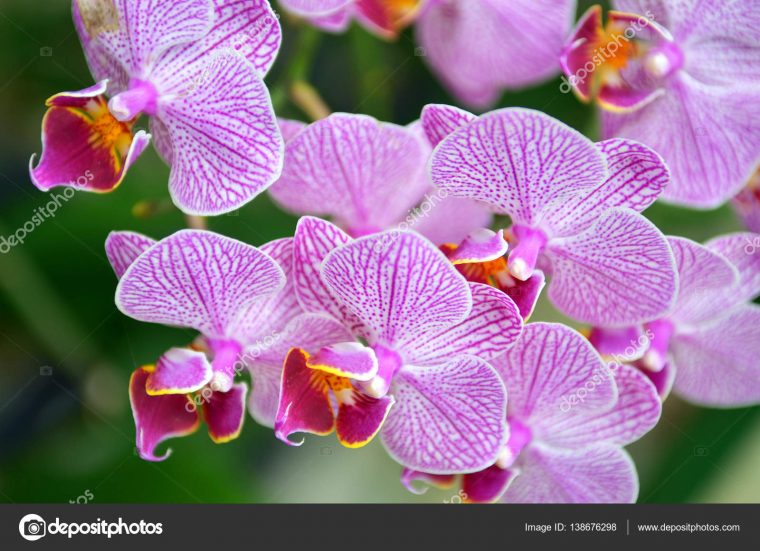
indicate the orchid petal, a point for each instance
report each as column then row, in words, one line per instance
column 602, row 474
column 493, row 326
column 707, row 283
column 619, row 272
column 304, row 400
column 265, row 359
column 346, row 359
column 636, row 412
column 479, row 48
column 123, row 247
column 743, row 251
column 448, row 419
column 360, row 417
column 439, row 120
column 637, row 177
column 488, row 485
column 346, row 166
column 83, row 145
column 717, row 364
column 398, row 285
column 313, row 240
column 518, row 161
column 225, row 142
column 481, row 245
column 551, row 373
column 197, row 279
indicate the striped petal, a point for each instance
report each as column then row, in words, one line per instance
column 398, row 285
column 493, row 325
column 225, row 142
column 367, row 175
column 197, row 279
column 449, row 418
column 619, row 272
column 520, row 162
column 123, row 247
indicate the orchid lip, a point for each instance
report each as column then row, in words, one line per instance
column 140, row 97
column 522, row 260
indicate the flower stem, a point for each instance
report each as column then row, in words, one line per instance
column 196, row 222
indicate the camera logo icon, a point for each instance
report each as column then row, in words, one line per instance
column 32, row 527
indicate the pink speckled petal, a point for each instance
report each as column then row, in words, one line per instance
column 493, row 326
column 717, row 364
column 136, row 33
column 197, row 279
column 549, row 374
column 250, row 27
column 367, row 175
column 264, row 319
column 617, row 273
column 225, row 143
column 313, row 240
column 399, row 285
column 601, row 474
column 707, row 283
column 518, row 161
column 448, row 418
column 439, row 120
column 123, row 247
column 637, row 177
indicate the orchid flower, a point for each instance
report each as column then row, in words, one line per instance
column 429, row 335
column 235, row 295
column 369, row 176
column 707, row 347
column 680, row 77
column 196, row 68
column 573, row 206
column 477, row 48
column 569, row 416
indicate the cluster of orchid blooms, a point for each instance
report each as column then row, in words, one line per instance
column 415, row 326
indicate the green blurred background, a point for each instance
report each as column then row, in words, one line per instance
column 66, row 353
